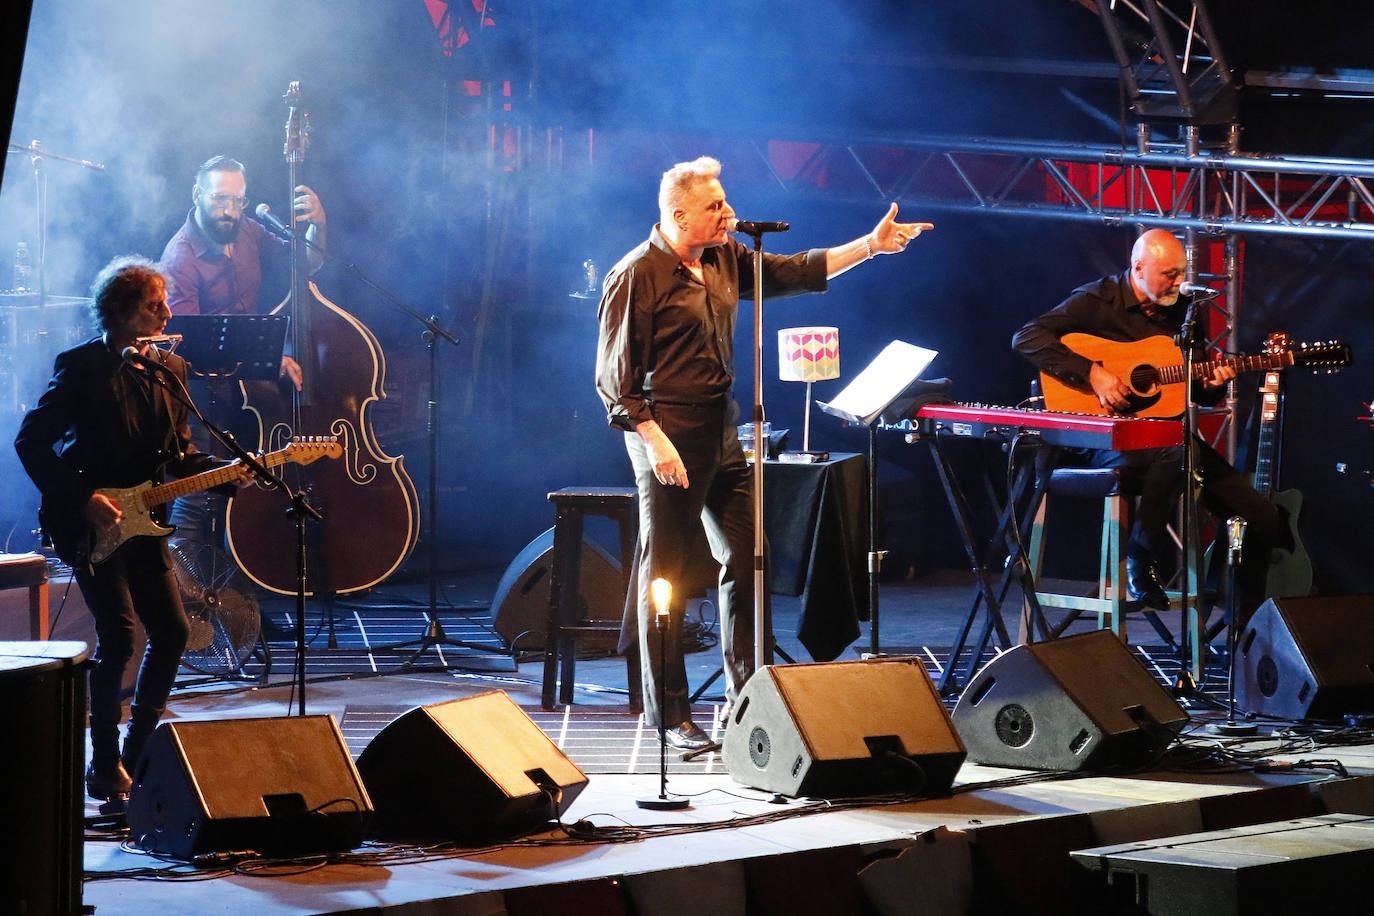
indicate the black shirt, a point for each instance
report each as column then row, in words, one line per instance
column 668, row 337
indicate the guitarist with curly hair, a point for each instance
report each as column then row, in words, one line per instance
column 1141, row 304
column 107, row 421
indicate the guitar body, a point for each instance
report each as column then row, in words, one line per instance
column 1136, row 363
column 1290, row 571
column 137, row 520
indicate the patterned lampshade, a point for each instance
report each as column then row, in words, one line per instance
column 808, row 354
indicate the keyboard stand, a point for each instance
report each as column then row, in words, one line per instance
column 1004, row 548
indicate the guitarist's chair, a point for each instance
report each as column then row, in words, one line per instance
column 1116, row 489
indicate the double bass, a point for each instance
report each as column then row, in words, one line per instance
column 368, row 504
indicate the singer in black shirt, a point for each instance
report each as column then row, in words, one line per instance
column 1144, row 302
column 665, row 371
column 110, row 421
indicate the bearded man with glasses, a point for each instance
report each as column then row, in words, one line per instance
column 214, row 262
column 214, row 266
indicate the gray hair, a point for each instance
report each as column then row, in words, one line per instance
column 680, row 179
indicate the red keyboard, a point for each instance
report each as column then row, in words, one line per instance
column 1075, row 430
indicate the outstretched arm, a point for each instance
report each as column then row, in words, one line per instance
column 888, row 237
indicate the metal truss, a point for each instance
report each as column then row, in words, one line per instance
column 1209, row 192
column 1171, row 62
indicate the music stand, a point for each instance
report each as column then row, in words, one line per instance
column 231, row 346
column 862, row 402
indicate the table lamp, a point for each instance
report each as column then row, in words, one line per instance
column 808, row 355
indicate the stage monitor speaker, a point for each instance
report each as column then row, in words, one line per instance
column 521, row 605
column 1308, row 658
column 279, row 786
column 1077, row 703
column 474, row 769
column 842, row 729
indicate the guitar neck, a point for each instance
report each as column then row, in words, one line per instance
column 1170, row 375
column 205, row 480
column 1271, row 424
column 1264, row 461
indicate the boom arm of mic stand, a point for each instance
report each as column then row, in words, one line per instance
column 430, row 322
column 223, row 437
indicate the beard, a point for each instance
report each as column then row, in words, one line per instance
column 219, row 229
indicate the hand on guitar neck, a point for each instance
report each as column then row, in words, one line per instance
column 1114, row 395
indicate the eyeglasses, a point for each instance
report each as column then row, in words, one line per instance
column 227, row 200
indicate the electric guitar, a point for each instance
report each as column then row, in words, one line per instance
column 1290, row 571
column 137, row 502
column 1154, row 373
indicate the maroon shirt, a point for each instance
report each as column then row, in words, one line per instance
column 203, row 281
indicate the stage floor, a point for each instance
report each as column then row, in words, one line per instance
column 999, row 840
column 998, row 843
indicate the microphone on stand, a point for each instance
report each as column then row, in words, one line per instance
column 1195, row 290
column 134, row 355
column 150, row 364
column 752, row 228
column 269, row 219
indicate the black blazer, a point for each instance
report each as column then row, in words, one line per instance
column 79, row 438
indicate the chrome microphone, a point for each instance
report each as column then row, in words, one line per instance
column 1198, row 291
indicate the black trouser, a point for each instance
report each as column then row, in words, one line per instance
column 720, row 499
column 1225, row 492
column 136, row 580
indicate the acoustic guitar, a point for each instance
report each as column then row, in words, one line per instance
column 1153, row 370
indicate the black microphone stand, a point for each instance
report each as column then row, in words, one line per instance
column 38, row 282
column 300, row 509
column 763, row 624
column 1185, row 685
column 434, row 635
column 1235, row 535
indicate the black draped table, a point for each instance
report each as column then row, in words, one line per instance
column 816, row 519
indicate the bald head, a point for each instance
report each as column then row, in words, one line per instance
column 1158, row 266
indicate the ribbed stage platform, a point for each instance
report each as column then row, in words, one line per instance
column 1000, row 842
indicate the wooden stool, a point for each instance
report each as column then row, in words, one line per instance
column 1116, row 488
column 29, row 570
column 565, row 623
